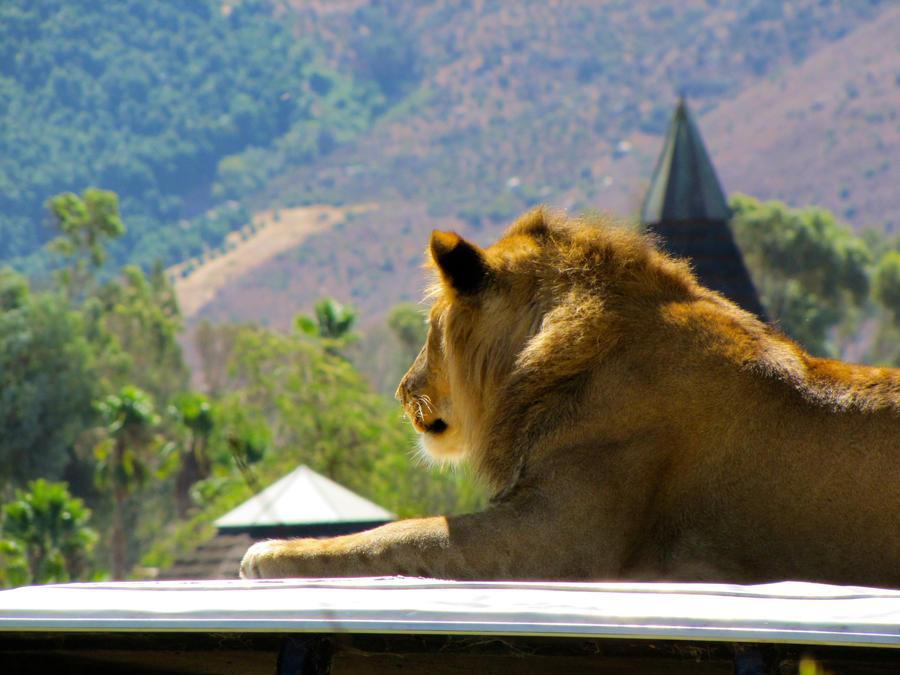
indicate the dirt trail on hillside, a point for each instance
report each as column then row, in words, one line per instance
column 275, row 231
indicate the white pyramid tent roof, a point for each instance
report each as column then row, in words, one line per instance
column 302, row 497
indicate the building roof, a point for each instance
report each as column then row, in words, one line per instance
column 684, row 184
column 303, row 497
column 686, row 206
column 302, row 504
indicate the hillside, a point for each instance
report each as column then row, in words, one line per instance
column 826, row 132
column 152, row 105
column 544, row 94
column 198, row 282
column 443, row 114
column 565, row 103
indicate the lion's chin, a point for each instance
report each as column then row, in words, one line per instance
column 442, row 446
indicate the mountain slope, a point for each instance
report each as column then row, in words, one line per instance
column 564, row 103
column 272, row 233
column 544, row 93
column 826, row 132
column 148, row 99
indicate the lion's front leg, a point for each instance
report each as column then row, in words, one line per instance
column 418, row 547
column 531, row 536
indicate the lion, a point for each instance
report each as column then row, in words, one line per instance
column 632, row 425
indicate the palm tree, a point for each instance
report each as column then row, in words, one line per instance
column 335, row 320
column 332, row 323
column 50, row 528
column 129, row 419
column 194, row 464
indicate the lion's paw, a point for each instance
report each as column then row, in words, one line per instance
column 260, row 561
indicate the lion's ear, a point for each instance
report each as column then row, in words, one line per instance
column 462, row 264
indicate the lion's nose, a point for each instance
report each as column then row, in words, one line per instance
column 424, row 418
column 439, row 426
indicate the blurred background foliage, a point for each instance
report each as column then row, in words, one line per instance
column 96, row 395
column 835, row 292
column 155, row 101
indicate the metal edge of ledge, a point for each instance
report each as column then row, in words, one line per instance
column 514, row 629
column 790, row 613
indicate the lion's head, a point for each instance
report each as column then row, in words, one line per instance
column 517, row 328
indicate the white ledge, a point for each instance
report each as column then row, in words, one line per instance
column 790, row 612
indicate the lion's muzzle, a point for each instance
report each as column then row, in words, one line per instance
column 419, row 407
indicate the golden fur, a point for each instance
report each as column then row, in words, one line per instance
column 633, row 425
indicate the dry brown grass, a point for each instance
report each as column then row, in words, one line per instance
column 275, row 231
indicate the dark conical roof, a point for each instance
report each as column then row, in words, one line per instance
column 684, row 184
column 686, row 207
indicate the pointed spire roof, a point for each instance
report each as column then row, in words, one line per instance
column 686, row 206
column 684, row 184
column 303, row 497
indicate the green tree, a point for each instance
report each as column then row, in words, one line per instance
column 143, row 316
column 213, row 345
column 242, row 440
column 248, row 448
column 50, row 529
column 122, row 460
column 811, row 271
column 321, row 412
column 14, row 290
column 886, row 292
column 396, row 345
column 50, row 373
column 887, row 283
column 409, row 325
column 333, row 323
column 195, row 412
column 85, row 224
column 332, row 320
column 60, row 349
